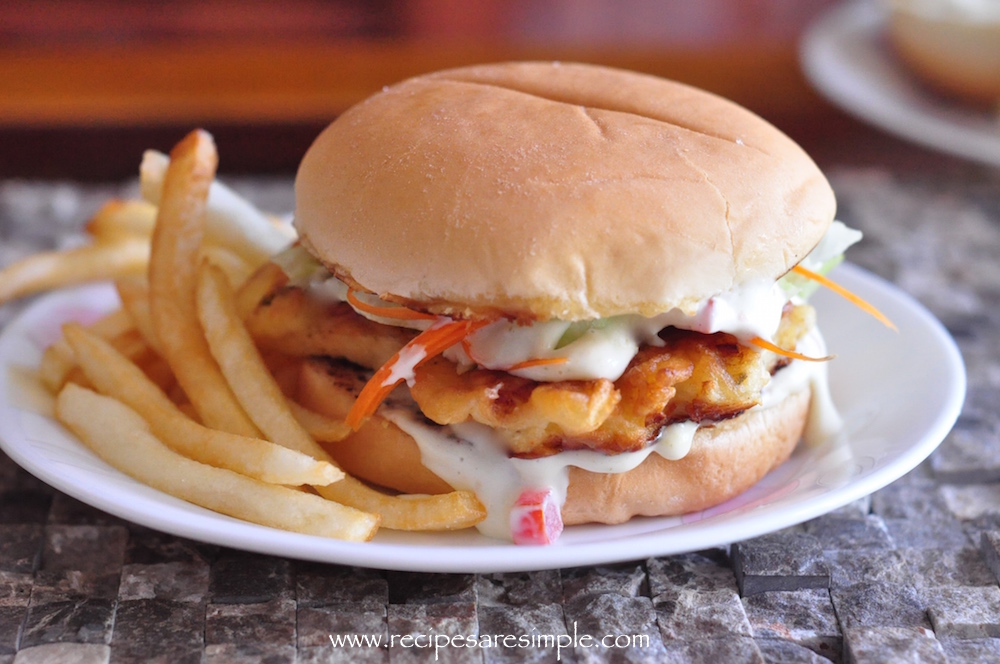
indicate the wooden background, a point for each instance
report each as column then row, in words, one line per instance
column 86, row 85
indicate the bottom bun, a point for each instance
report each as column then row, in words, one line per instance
column 726, row 458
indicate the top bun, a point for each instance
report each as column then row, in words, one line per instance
column 550, row 190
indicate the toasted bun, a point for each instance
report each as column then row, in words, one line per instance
column 548, row 190
column 955, row 53
column 726, row 459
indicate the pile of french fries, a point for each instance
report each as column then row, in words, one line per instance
column 171, row 389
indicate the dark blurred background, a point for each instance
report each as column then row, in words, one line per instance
column 86, row 85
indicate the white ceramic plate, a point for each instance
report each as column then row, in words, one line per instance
column 845, row 55
column 896, row 411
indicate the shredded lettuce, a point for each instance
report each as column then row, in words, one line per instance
column 825, row 256
column 300, row 266
column 577, row 329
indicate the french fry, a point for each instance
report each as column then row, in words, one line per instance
column 236, row 269
column 242, row 365
column 57, row 269
column 320, row 427
column 114, row 375
column 29, row 393
column 122, row 438
column 173, row 276
column 231, row 220
column 332, row 392
column 263, row 282
column 56, row 364
column 134, row 295
column 260, row 395
column 122, row 219
column 58, row 360
column 444, row 511
column 186, row 391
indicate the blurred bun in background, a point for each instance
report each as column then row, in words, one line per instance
column 952, row 45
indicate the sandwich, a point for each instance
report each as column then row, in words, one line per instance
column 579, row 292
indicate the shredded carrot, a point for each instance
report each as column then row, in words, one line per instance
column 431, row 342
column 774, row 348
column 843, row 292
column 538, row 362
column 397, row 313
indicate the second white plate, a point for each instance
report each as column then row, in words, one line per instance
column 845, row 56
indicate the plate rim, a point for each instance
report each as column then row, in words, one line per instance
column 504, row 557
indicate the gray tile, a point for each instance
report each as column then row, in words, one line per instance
column 541, row 626
column 244, row 578
column 315, row 626
column 249, row 653
column 879, row 604
column 77, row 621
column 891, row 644
column 972, row 501
column 967, row 457
column 596, row 621
column 80, row 562
column 837, row 532
column 25, row 506
column 269, row 623
column 789, row 652
column 70, row 511
column 804, row 617
column 343, row 655
column 180, row 582
column 65, row 653
column 707, row 614
column 849, row 567
column 158, row 630
column 150, row 547
column 786, row 560
column 21, row 547
column 627, row 580
column 319, row 585
column 15, row 588
column 989, row 546
column 965, row 613
column 739, row 650
column 421, row 588
column 694, row 571
column 971, row 651
column 94, row 549
column 935, row 533
column 931, row 570
column 519, row 589
column 432, row 631
column 917, row 499
column 11, row 621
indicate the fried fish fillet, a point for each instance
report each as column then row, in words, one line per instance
column 692, row 376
